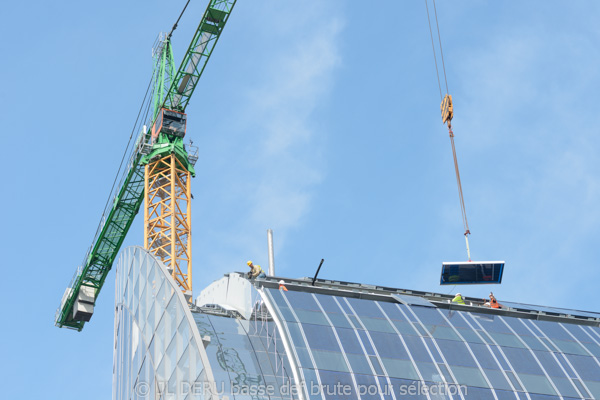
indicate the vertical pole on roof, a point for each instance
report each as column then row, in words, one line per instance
column 271, row 252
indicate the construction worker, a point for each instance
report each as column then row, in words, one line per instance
column 255, row 271
column 458, row 299
column 493, row 303
column 282, row 285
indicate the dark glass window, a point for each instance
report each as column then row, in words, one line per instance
column 392, row 311
column 430, row 316
column 320, row 337
column 484, row 356
column 349, row 341
column 389, row 345
column 365, row 308
column 328, row 303
column 552, row 330
column 366, row 342
column 522, row 361
column 587, row 367
column 334, row 381
column 456, row 353
column 497, row 379
column 417, row 349
column 302, row 300
column 471, row 273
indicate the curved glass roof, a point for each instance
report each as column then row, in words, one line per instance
column 339, row 341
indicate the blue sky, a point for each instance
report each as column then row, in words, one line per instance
column 319, row 120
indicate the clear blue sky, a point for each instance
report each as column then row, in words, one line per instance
column 318, row 119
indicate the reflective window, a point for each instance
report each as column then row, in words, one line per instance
column 320, row 337
column 389, row 345
column 349, row 341
column 537, row 384
column 456, row 353
column 587, row 367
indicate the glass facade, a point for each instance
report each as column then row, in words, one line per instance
column 299, row 344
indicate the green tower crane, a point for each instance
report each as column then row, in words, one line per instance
column 158, row 173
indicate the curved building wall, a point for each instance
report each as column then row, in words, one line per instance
column 158, row 352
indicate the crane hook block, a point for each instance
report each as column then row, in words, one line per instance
column 447, row 109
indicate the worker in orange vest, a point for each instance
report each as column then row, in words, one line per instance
column 282, row 285
column 493, row 303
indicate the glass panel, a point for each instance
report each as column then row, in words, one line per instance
column 537, row 384
column 549, row 363
column 522, row 361
column 570, row 347
column 405, row 328
column 300, row 300
column 366, row 342
column 400, row 368
column 393, row 311
column 477, row 393
column 328, row 303
column 565, row 387
column 506, row 395
column 484, row 355
column 429, row 372
column 367, row 387
column 458, row 273
column 389, row 345
column 412, row 300
column 339, row 320
column 552, row 329
column 312, row 384
column 359, row 364
column 333, row 382
column 497, row 379
column 470, row 335
column 406, row 389
column 365, row 308
column 580, row 386
column 329, row 360
column 375, row 324
column 508, row 340
column 320, row 337
column 446, row 373
column 349, row 341
column 417, row 349
column 513, row 380
column 468, row 376
column 376, row 365
column 534, row 343
column 456, row 353
column 430, row 316
column 311, row 317
column 443, row 332
column 491, row 323
column 587, row 367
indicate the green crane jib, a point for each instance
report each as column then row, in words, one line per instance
column 77, row 305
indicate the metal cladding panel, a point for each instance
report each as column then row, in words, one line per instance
column 388, row 350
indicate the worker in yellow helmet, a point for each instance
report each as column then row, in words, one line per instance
column 458, row 299
column 255, row 271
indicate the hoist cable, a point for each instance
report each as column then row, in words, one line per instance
column 437, row 73
column 440, row 42
column 448, row 118
column 460, row 192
